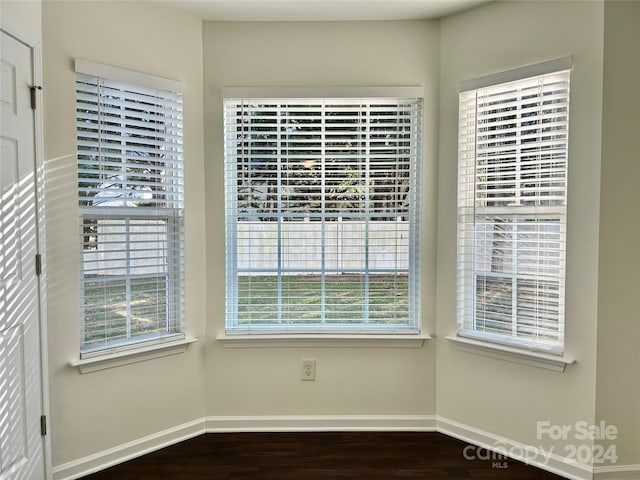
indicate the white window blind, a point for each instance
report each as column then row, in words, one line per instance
column 322, row 214
column 512, row 211
column 130, row 187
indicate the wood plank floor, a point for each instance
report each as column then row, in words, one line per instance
column 327, row 456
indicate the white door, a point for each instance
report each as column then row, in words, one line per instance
column 21, row 443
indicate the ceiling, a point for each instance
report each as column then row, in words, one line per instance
column 321, row 10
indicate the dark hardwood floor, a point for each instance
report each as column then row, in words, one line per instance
column 330, row 456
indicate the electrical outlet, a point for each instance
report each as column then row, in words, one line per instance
column 308, row 369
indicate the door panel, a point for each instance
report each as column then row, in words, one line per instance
column 9, row 226
column 13, row 443
column 21, row 445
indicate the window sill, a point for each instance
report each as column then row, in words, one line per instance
column 502, row 352
column 111, row 360
column 319, row 340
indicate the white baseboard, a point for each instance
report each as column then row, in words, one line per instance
column 285, row 423
column 343, row 423
column 617, row 472
column 122, row 453
column 518, row 451
column 322, row 423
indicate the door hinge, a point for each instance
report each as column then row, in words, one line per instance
column 38, row 264
column 43, row 425
column 33, row 89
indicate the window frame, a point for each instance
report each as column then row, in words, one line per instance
column 292, row 94
column 469, row 211
column 130, row 222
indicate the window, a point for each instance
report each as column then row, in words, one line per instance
column 130, row 187
column 512, row 207
column 322, row 214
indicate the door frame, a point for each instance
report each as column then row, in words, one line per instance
column 35, row 45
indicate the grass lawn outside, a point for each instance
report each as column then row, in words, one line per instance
column 347, row 299
column 105, row 308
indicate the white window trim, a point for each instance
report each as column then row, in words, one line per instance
column 322, row 92
column 512, row 354
column 496, row 346
column 320, row 340
column 564, row 63
column 355, row 337
column 156, row 349
column 156, row 346
column 127, row 76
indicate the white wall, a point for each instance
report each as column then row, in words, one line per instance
column 507, row 399
column 97, row 411
column 359, row 381
column 24, row 14
column 618, row 380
